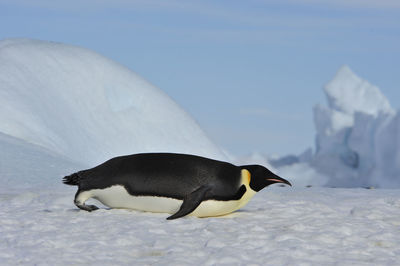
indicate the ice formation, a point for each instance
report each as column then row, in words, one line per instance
column 357, row 140
column 85, row 108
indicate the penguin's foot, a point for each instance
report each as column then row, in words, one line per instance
column 85, row 207
column 91, row 207
column 81, row 198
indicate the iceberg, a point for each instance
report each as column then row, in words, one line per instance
column 347, row 93
column 357, row 135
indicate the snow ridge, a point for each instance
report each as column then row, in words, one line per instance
column 87, row 108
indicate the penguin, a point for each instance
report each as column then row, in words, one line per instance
column 178, row 184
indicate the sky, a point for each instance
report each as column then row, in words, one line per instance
column 249, row 72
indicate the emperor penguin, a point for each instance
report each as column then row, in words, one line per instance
column 178, row 184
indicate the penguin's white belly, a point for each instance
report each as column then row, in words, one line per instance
column 118, row 197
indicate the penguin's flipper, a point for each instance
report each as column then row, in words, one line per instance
column 190, row 202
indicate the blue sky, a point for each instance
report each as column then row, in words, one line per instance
column 248, row 71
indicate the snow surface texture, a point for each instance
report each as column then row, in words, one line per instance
column 358, row 140
column 86, row 108
column 280, row 226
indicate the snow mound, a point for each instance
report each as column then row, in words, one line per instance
column 26, row 166
column 87, row 108
column 358, row 135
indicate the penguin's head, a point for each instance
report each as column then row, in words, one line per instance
column 261, row 177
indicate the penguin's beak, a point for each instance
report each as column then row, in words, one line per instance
column 277, row 179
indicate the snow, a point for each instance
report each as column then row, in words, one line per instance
column 61, row 109
column 25, row 165
column 78, row 104
column 280, row 226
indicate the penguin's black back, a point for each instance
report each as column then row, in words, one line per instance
column 165, row 174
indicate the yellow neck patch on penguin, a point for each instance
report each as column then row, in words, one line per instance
column 246, row 176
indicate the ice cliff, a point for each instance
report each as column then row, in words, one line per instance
column 357, row 135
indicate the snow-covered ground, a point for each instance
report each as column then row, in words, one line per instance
column 280, row 226
column 64, row 108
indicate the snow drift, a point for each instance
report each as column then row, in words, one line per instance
column 358, row 136
column 28, row 166
column 86, row 108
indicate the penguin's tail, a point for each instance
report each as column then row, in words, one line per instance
column 72, row 180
